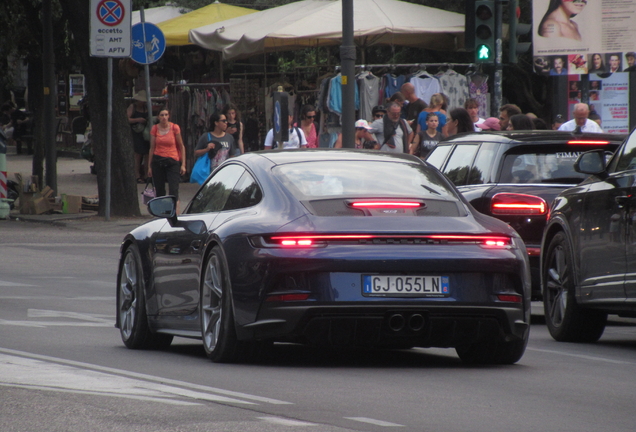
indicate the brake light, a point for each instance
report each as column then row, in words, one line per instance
column 287, row 297
column 518, row 204
column 511, row 298
column 587, row 142
column 488, row 241
column 386, row 204
column 322, row 240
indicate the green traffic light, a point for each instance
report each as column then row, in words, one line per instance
column 483, row 52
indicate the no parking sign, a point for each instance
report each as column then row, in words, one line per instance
column 110, row 28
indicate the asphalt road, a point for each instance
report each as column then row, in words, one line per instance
column 63, row 367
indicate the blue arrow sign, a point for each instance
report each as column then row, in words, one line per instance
column 148, row 43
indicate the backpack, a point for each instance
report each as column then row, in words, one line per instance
column 275, row 144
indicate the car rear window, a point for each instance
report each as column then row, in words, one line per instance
column 316, row 181
column 551, row 166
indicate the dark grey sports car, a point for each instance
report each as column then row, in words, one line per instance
column 325, row 247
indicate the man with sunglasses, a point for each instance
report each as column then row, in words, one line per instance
column 392, row 131
column 378, row 112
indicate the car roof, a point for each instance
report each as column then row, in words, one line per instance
column 279, row 157
column 531, row 137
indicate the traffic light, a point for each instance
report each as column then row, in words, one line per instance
column 516, row 29
column 484, row 32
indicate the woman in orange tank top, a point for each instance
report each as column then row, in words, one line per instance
column 166, row 160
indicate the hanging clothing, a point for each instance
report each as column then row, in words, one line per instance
column 335, row 95
column 369, row 86
column 455, row 86
column 478, row 90
column 392, row 84
column 425, row 86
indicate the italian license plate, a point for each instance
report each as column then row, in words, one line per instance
column 407, row 286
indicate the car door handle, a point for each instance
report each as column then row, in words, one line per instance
column 621, row 200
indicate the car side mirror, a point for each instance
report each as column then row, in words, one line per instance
column 591, row 162
column 164, row 207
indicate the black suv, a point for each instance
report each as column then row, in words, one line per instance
column 515, row 175
column 589, row 248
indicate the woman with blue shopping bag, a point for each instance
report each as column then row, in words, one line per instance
column 212, row 149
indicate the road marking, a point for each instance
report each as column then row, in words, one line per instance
column 580, row 356
column 13, row 284
column 286, row 422
column 150, row 378
column 374, row 421
column 93, row 393
column 81, row 319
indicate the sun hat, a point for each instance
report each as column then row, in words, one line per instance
column 363, row 124
column 491, row 123
column 140, row 96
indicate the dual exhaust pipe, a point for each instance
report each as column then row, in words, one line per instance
column 414, row 322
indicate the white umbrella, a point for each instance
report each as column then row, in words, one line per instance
column 312, row 23
column 158, row 14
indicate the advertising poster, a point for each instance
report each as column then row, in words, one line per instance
column 610, row 100
column 578, row 37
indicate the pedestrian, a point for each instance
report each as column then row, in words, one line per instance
column 472, row 106
column 363, row 138
column 520, row 122
column 393, row 132
column 308, row 125
column 218, row 143
column 558, row 121
column 490, row 124
column 296, row 138
column 166, row 159
column 378, row 112
column 436, row 105
column 234, row 127
column 137, row 113
column 505, row 112
column 459, row 121
column 414, row 105
column 426, row 141
column 19, row 122
column 581, row 123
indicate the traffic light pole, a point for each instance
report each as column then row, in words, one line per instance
column 496, row 103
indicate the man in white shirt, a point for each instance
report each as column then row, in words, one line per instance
column 296, row 138
column 581, row 123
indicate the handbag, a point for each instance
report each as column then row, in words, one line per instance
column 201, row 169
column 138, row 127
column 149, row 192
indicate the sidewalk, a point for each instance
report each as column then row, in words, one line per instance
column 74, row 178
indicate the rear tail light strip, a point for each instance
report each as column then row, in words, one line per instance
column 518, row 204
column 321, row 240
column 587, row 142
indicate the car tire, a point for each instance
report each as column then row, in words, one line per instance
column 567, row 321
column 215, row 306
column 493, row 351
column 131, row 305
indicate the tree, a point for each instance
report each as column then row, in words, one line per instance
column 124, row 197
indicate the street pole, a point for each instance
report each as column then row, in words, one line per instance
column 494, row 109
column 48, row 104
column 109, row 138
column 142, row 17
column 348, row 62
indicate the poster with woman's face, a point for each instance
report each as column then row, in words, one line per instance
column 566, row 27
